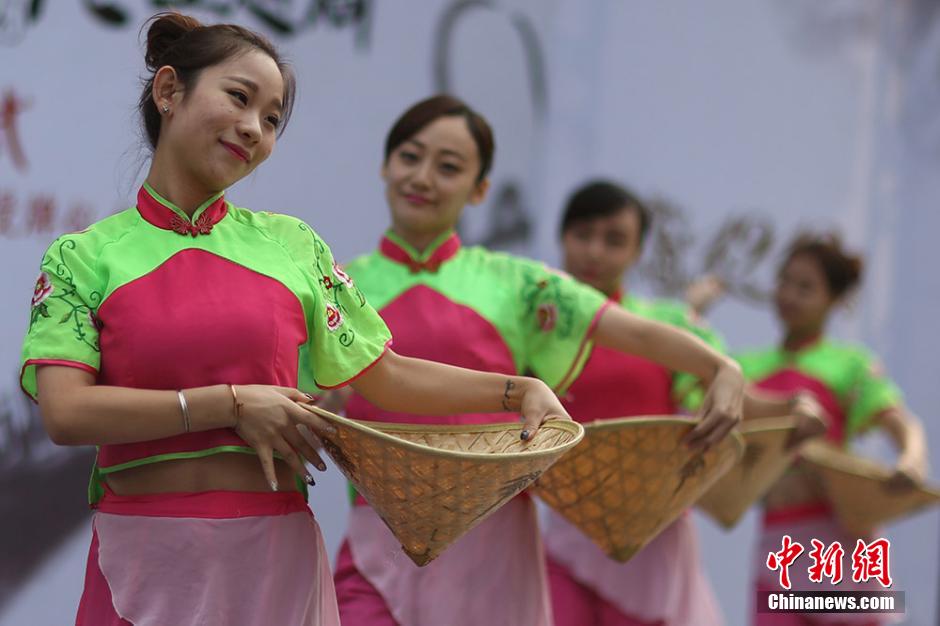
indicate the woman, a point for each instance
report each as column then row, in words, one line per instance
column 603, row 230
column 472, row 307
column 174, row 336
column 815, row 278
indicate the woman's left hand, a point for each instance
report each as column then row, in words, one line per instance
column 538, row 405
column 722, row 408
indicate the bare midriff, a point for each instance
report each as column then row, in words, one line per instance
column 217, row 472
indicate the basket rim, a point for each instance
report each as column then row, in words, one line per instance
column 676, row 420
column 831, row 458
column 381, row 430
column 767, row 424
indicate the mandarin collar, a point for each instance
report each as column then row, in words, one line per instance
column 441, row 250
column 164, row 214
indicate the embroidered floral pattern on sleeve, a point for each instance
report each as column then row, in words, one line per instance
column 336, row 283
column 78, row 314
column 546, row 304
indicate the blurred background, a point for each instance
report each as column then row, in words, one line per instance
column 744, row 121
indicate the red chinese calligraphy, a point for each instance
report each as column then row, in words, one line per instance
column 7, row 204
column 784, row 559
column 41, row 214
column 826, row 563
column 871, row 561
column 10, row 107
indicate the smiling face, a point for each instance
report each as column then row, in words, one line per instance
column 599, row 251
column 429, row 179
column 221, row 129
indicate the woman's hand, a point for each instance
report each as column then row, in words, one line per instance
column 703, row 292
column 538, row 405
column 722, row 408
column 269, row 420
column 335, row 400
column 811, row 419
column 909, row 472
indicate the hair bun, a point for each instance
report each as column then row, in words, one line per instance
column 165, row 30
column 843, row 269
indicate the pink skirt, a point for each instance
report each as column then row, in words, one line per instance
column 664, row 583
column 492, row 576
column 803, row 525
column 216, row 557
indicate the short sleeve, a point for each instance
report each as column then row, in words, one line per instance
column 871, row 393
column 347, row 334
column 558, row 315
column 63, row 327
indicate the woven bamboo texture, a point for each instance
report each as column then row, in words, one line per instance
column 764, row 461
column 859, row 491
column 431, row 484
column 630, row 478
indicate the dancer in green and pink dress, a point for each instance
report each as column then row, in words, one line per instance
column 174, row 335
column 602, row 233
column 850, row 384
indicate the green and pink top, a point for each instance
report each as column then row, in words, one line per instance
column 151, row 299
column 477, row 309
column 846, row 379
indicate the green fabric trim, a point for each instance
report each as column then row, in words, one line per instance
column 172, row 456
column 413, row 252
column 96, row 490
column 202, row 207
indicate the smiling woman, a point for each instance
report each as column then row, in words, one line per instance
column 176, row 336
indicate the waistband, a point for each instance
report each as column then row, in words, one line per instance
column 204, row 504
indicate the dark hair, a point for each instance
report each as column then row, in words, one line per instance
column 602, row 198
column 842, row 270
column 187, row 46
column 442, row 105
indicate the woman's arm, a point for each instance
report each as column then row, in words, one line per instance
column 407, row 385
column 811, row 418
column 76, row 411
column 907, row 432
column 681, row 351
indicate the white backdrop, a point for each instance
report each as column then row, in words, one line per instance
column 785, row 112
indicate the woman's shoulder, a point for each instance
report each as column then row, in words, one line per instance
column 90, row 241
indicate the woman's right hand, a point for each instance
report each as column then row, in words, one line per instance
column 268, row 418
column 721, row 410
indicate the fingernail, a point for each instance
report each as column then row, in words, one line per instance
column 273, row 485
column 309, row 479
column 524, row 435
column 321, row 467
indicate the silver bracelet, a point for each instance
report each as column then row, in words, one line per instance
column 184, row 408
